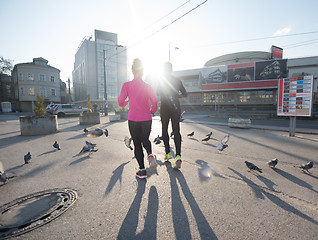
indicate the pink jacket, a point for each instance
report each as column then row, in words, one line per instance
column 139, row 94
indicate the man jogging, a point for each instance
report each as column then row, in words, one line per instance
column 170, row 89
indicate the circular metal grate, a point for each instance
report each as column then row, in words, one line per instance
column 32, row 211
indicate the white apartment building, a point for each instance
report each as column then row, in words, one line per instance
column 98, row 62
column 32, row 78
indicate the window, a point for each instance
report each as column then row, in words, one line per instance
column 53, row 93
column 30, row 76
column 41, row 77
column 21, row 91
column 52, row 78
column 43, row 92
column 31, row 92
column 20, row 76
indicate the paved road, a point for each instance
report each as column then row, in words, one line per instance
column 232, row 204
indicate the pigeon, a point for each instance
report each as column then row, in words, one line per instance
column 27, row 158
column 171, row 134
column 251, row 166
column 85, row 131
column 181, row 118
column 223, row 143
column 209, row 134
column 205, row 139
column 5, row 176
column 272, row 163
column 307, row 166
column 190, row 134
column 90, row 145
column 56, row 145
column 158, row 141
column 87, row 148
column 127, row 141
column 99, row 132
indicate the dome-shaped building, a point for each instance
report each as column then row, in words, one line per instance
column 240, row 57
column 244, row 80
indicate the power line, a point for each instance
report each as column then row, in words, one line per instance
column 164, row 27
column 149, row 26
column 256, row 39
column 167, row 25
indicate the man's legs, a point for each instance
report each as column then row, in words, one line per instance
column 175, row 121
column 164, row 115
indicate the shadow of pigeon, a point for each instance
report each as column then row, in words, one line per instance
column 48, row 152
column 80, row 160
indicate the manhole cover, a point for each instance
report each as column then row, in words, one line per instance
column 32, row 211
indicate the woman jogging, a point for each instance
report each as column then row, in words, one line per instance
column 139, row 95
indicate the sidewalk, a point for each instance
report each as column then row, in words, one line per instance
column 307, row 126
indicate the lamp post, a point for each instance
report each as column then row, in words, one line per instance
column 175, row 48
column 105, row 89
column 105, row 77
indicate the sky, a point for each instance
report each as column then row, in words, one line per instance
column 192, row 31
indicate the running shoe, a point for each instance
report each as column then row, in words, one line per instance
column 177, row 162
column 168, row 156
column 141, row 173
column 152, row 162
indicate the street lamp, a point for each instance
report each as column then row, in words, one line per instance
column 175, row 48
column 105, row 77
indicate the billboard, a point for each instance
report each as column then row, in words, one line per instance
column 240, row 72
column 276, row 52
column 272, row 69
column 213, row 75
column 295, row 96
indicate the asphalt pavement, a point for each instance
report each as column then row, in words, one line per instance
column 212, row 196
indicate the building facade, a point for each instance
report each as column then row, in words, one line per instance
column 99, row 63
column 30, row 79
column 246, row 80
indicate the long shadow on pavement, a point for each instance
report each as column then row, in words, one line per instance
column 294, row 179
column 300, row 157
column 260, row 193
column 130, row 223
column 117, row 176
column 179, row 215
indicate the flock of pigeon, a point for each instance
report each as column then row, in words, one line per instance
column 223, row 144
column 90, row 147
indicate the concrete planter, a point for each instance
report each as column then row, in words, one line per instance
column 239, row 123
column 114, row 118
column 123, row 115
column 87, row 118
column 32, row 125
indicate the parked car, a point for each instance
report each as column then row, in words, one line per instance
column 49, row 108
column 67, row 109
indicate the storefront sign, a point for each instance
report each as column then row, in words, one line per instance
column 295, row 96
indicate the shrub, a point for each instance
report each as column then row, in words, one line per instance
column 39, row 106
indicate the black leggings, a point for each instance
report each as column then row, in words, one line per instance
column 174, row 114
column 140, row 132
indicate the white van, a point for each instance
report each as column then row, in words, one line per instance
column 67, row 109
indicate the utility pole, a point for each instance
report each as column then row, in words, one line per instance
column 105, row 81
column 69, row 90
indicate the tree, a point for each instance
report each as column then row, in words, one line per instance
column 89, row 104
column 39, row 106
column 5, row 66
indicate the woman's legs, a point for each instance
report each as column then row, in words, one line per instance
column 145, row 133
column 135, row 132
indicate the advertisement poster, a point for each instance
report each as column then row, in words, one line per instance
column 241, row 72
column 295, row 96
column 273, row 69
column 213, row 75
